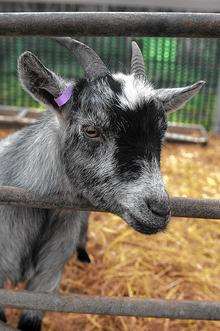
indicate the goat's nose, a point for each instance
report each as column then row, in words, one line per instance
column 160, row 207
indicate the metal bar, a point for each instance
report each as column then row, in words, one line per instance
column 195, row 208
column 83, row 304
column 13, row 196
column 183, row 133
column 184, row 138
column 180, row 207
column 195, row 5
column 111, row 23
column 11, row 118
column 217, row 113
column 14, row 110
column 15, row 121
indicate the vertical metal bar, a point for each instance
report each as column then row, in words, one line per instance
column 217, row 115
column 213, row 78
column 183, row 113
column 179, row 65
column 200, row 74
column 195, row 64
column 4, row 78
column 163, row 61
column 204, row 72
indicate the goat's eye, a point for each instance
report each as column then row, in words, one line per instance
column 91, row 132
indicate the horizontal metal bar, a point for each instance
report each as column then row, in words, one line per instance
column 195, row 208
column 15, row 121
column 83, row 304
column 178, row 137
column 195, row 5
column 111, row 24
column 13, row 196
column 184, row 133
column 10, row 118
column 180, row 207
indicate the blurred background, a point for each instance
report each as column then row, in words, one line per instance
column 184, row 262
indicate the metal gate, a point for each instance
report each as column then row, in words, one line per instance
column 127, row 24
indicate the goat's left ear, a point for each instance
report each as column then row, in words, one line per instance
column 43, row 84
column 175, row 98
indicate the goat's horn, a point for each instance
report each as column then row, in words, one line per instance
column 87, row 57
column 137, row 61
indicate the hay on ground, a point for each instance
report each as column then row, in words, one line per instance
column 183, row 263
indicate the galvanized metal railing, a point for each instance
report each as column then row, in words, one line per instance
column 180, row 207
column 185, row 309
column 111, row 24
column 129, row 24
column 16, row 118
column 84, row 304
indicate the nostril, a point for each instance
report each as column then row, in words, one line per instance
column 160, row 208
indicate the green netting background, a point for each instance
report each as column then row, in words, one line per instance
column 170, row 62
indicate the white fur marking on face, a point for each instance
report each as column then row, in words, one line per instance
column 134, row 90
column 149, row 183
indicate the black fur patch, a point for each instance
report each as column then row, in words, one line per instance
column 115, row 85
column 29, row 324
column 83, row 256
column 2, row 316
column 139, row 138
column 82, row 84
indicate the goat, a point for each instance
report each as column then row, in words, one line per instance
column 100, row 140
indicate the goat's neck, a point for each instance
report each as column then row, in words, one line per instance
column 32, row 158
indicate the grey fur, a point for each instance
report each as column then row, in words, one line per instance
column 173, row 99
column 55, row 156
column 137, row 61
column 35, row 244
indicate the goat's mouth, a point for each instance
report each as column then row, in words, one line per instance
column 144, row 228
column 148, row 227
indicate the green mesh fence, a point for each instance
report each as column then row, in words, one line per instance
column 178, row 62
column 170, row 62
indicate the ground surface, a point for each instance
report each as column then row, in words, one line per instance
column 183, row 263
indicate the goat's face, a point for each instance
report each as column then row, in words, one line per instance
column 113, row 150
column 114, row 129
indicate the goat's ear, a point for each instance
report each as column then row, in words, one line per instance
column 175, row 98
column 40, row 82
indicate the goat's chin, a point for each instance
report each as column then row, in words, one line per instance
column 147, row 227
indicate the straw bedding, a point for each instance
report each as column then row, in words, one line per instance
column 182, row 263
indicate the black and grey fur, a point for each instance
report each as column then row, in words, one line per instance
column 102, row 146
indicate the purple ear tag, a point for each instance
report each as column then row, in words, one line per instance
column 65, row 96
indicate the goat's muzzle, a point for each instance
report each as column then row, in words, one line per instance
column 151, row 217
